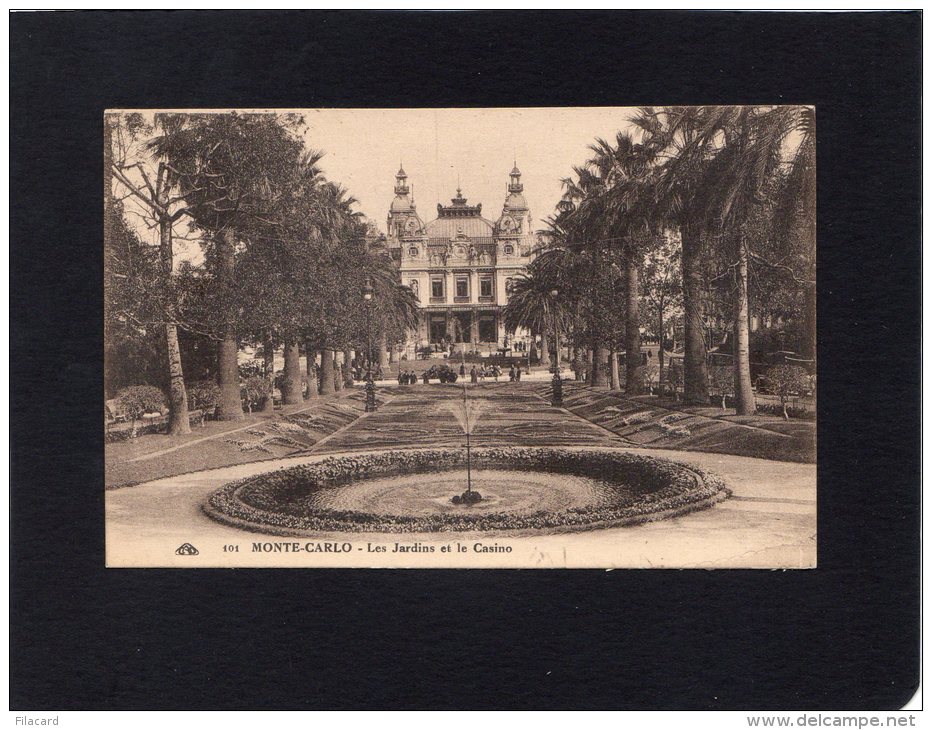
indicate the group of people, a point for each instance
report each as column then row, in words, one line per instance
column 359, row 372
column 481, row 373
column 408, row 377
column 476, row 373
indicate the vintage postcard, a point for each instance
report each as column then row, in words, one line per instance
column 461, row 338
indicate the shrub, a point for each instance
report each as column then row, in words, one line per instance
column 253, row 391
column 675, row 379
column 787, row 380
column 722, row 379
column 444, row 373
column 650, row 375
column 204, row 395
column 195, row 418
column 251, row 367
column 137, row 400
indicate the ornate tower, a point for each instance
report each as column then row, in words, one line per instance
column 515, row 218
column 403, row 220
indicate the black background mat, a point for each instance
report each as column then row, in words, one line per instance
column 842, row 636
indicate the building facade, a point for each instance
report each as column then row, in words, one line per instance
column 461, row 265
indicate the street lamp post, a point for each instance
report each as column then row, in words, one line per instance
column 370, row 385
column 557, row 382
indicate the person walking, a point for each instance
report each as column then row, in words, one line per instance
column 518, row 375
column 511, row 373
column 474, row 375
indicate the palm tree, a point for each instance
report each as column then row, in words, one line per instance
column 682, row 141
column 533, row 306
column 398, row 309
column 735, row 189
column 624, row 171
column 588, row 230
column 795, row 216
column 563, row 267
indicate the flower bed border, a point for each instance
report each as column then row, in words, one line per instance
column 245, row 503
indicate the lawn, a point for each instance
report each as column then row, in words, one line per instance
column 662, row 423
column 223, row 443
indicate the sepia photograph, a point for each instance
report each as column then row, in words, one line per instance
column 461, row 338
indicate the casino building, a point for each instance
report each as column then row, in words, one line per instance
column 461, row 265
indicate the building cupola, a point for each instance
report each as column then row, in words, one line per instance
column 401, row 183
column 515, row 185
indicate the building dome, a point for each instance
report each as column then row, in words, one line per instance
column 515, row 201
column 400, row 204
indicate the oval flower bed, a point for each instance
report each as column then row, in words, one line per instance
column 643, row 488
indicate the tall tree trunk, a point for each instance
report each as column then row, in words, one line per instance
column 337, row 371
column 696, row 369
column 633, row 382
column 292, row 393
column 545, row 346
column 326, row 372
column 268, row 357
column 231, row 407
column 383, row 353
column 593, row 366
column 743, row 392
column 557, row 348
column 347, row 367
column 660, row 351
column 600, row 371
column 178, row 421
column 810, row 321
column 615, row 382
column 311, row 356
